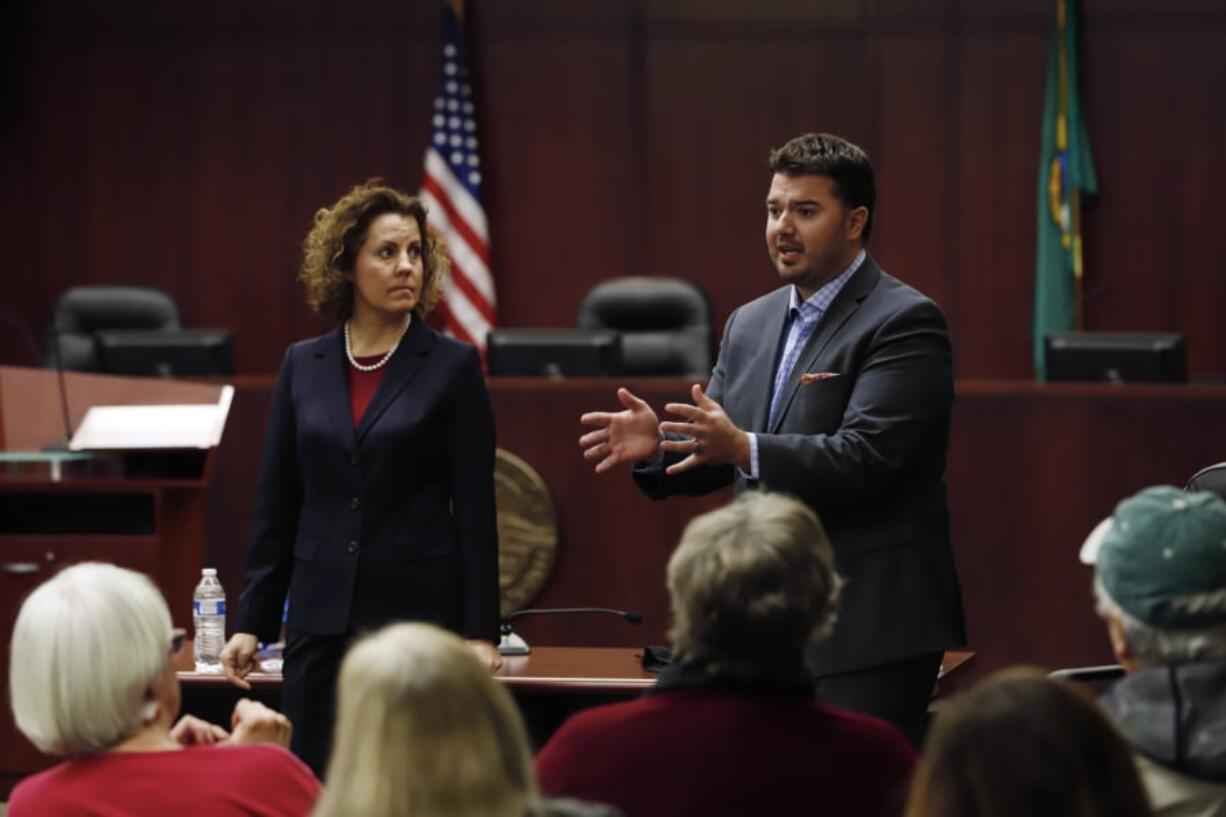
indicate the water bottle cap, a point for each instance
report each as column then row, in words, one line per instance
column 209, row 571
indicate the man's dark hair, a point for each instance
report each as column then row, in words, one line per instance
column 824, row 154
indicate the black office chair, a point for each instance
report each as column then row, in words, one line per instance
column 665, row 324
column 1211, row 478
column 82, row 311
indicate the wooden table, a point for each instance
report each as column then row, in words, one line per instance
column 549, row 685
column 550, row 669
column 608, row 670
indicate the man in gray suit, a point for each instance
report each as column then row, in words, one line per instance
column 835, row 388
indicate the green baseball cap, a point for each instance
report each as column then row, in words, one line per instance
column 1160, row 546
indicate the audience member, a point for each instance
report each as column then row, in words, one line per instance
column 92, row 679
column 733, row 726
column 1160, row 586
column 1021, row 745
column 423, row 729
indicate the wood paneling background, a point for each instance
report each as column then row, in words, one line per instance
column 188, row 145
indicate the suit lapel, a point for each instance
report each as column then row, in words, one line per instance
column 844, row 306
column 762, row 362
column 334, row 387
column 403, row 367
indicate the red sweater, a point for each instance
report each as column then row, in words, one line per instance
column 711, row 753
column 207, row 781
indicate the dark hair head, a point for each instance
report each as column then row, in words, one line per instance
column 338, row 234
column 1022, row 745
column 824, row 154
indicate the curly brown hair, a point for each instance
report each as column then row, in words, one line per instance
column 329, row 250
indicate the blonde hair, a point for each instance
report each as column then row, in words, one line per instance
column 751, row 585
column 423, row 729
column 88, row 645
column 329, row 250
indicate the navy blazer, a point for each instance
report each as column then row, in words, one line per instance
column 393, row 520
column 864, row 447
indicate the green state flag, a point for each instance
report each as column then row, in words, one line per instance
column 1066, row 170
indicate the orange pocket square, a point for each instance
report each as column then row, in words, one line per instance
column 813, row 377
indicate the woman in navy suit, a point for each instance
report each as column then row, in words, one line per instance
column 376, row 494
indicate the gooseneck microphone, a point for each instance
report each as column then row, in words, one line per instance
column 24, row 330
column 59, row 370
column 513, row 644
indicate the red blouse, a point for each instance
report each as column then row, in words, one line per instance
column 362, row 385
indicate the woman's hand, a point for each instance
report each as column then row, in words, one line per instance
column 238, row 658
column 253, row 722
column 191, row 731
column 487, row 651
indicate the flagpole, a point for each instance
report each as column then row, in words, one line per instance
column 1078, row 272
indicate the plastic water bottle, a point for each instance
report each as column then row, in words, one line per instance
column 209, row 617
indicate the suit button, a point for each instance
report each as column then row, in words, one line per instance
column 353, row 460
column 355, row 503
column 353, row 547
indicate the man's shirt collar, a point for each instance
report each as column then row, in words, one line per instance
column 821, row 300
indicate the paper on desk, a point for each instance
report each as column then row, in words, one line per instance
column 196, row 425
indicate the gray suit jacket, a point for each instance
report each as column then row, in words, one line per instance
column 865, row 448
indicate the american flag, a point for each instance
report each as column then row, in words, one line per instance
column 452, row 191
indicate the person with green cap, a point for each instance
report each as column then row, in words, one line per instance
column 1160, row 585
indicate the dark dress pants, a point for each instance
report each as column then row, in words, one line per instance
column 898, row 693
column 308, row 693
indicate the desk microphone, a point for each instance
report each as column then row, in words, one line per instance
column 24, row 330
column 513, row 644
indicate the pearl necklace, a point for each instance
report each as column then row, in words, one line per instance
column 381, row 362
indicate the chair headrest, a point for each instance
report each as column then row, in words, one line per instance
column 89, row 309
column 642, row 303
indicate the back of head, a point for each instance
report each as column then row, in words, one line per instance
column 1160, row 568
column 423, row 729
column 751, row 585
column 1021, row 745
column 87, row 646
column 824, row 154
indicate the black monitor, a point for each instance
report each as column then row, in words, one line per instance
column 554, row 352
column 1116, row 357
column 165, row 353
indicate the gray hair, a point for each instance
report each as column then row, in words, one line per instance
column 751, row 585
column 1155, row 646
column 88, row 645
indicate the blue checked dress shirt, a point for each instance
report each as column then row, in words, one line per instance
column 802, row 321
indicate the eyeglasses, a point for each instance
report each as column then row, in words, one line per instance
column 177, row 635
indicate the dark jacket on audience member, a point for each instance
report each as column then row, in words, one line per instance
column 1175, row 717
column 711, row 747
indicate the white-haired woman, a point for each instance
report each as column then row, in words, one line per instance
column 92, row 679
column 423, row 729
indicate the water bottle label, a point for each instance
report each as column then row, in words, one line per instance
column 209, row 607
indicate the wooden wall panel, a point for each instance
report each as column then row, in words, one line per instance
column 189, row 146
column 1159, row 251
column 912, row 234
column 562, row 110
column 717, row 108
column 998, row 136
